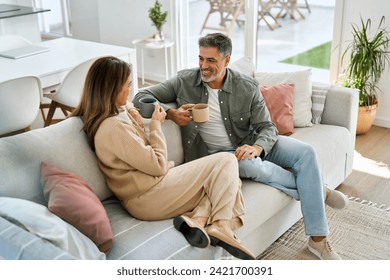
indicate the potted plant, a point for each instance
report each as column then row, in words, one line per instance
column 158, row 18
column 368, row 56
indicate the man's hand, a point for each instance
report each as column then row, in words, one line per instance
column 249, row 152
column 180, row 116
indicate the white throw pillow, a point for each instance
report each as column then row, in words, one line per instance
column 38, row 220
column 244, row 65
column 302, row 92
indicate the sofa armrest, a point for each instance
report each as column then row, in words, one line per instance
column 19, row 244
column 341, row 108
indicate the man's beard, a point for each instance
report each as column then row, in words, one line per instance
column 213, row 77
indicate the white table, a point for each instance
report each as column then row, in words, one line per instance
column 152, row 45
column 64, row 54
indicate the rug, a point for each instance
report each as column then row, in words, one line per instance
column 359, row 232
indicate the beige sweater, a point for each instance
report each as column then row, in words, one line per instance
column 132, row 161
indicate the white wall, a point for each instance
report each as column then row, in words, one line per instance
column 84, row 16
column 348, row 11
column 119, row 22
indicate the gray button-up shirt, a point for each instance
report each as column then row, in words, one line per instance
column 244, row 113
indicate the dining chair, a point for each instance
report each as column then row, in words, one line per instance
column 19, row 104
column 10, row 41
column 68, row 95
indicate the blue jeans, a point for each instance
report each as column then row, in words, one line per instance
column 292, row 167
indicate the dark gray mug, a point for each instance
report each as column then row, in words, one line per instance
column 146, row 106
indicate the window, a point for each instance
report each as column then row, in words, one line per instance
column 56, row 23
column 286, row 32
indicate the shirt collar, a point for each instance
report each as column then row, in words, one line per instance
column 227, row 85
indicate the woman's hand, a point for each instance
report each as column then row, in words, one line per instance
column 159, row 113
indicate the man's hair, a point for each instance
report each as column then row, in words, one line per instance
column 217, row 40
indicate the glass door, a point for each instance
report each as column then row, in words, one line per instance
column 295, row 35
column 208, row 16
column 281, row 35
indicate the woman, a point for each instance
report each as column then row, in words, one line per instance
column 199, row 194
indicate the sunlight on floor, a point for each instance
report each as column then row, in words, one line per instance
column 370, row 166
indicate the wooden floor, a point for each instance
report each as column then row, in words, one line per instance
column 370, row 179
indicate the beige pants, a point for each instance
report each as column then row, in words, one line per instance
column 207, row 187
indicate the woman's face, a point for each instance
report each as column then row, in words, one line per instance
column 121, row 99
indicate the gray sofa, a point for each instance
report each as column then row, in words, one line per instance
column 269, row 212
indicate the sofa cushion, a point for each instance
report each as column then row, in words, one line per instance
column 302, row 92
column 332, row 145
column 279, row 101
column 174, row 144
column 173, row 139
column 38, row 220
column 149, row 240
column 72, row 199
column 63, row 144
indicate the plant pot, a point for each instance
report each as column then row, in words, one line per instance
column 159, row 36
column 366, row 116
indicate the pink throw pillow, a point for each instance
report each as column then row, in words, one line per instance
column 279, row 100
column 73, row 200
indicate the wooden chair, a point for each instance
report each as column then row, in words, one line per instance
column 291, row 8
column 68, row 95
column 265, row 14
column 305, row 6
column 19, row 104
column 229, row 11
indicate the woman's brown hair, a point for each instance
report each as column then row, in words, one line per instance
column 103, row 83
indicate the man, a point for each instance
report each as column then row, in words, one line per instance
column 240, row 122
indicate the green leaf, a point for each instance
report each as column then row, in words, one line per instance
column 368, row 57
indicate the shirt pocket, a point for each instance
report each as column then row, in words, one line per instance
column 241, row 120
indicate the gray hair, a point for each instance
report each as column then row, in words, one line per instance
column 217, row 40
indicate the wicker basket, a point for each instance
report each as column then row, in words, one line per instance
column 366, row 116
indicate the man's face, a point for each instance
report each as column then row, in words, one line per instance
column 212, row 64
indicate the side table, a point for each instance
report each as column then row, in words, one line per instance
column 143, row 44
